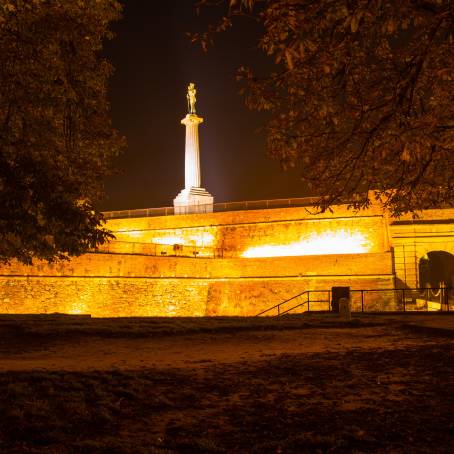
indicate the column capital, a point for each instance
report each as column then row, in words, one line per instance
column 191, row 119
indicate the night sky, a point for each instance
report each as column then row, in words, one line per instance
column 154, row 61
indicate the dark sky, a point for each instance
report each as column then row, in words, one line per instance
column 154, row 61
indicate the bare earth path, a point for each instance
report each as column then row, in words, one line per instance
column 377, row 384
column 189, row 351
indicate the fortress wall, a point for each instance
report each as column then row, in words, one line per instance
column 118, row 265
column 130, row 283
column 108, row 285
column 102, row 296
column 237, row 232
column 136, row 297
column 137, row 284
column 250, row 298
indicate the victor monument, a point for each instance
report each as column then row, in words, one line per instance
column 193, row 198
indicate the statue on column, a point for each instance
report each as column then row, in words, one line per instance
column 191, row 98
column 193, row 198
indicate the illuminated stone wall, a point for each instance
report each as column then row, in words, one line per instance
column 259, row 233
column 106, row 285
column 136, row 280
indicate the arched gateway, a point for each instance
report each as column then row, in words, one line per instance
column 436, row 268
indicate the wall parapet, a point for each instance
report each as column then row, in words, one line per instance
column 216, row 207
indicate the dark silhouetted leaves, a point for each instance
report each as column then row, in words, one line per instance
column 56, row 139
column 360, row 96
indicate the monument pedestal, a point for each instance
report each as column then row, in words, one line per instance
column 193, row 200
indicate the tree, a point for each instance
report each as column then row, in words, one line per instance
column 360, row 96
column 56, row 139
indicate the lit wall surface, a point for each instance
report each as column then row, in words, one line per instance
column 260, row 233
column 265, row 261
column 110, row 285
column 329, row 242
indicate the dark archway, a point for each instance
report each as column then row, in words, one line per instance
column 436, row 267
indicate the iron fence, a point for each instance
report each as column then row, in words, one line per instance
column 403, row 299
column 427, row 299
column 216, row 207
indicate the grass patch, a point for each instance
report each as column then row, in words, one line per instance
column 380, row 401
column 16, row 326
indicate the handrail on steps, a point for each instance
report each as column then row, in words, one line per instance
column 280, row 304
column 294, row 307
column 308, row 301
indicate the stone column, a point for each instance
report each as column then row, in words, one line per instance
column 192, row 152
column 193, row 198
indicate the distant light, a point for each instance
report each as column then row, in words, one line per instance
column 338, row 242
column 203, row 239
column 77, row 308
column 135, row 233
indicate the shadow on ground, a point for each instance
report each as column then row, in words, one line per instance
column 395, row 400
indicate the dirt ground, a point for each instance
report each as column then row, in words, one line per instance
column 304, row 384
column 199, row 350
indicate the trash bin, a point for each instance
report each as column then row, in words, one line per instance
column 336, row 294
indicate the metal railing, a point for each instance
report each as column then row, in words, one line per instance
column 420, row 299
column 427, row 299
column 305, row 296
column 216, row 207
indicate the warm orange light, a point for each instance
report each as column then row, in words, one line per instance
column 338, row 242
column 77, row 308
column 134, row 233
column 191, row 237
column 167, row 240
column 202, row 239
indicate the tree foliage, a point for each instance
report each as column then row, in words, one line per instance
column 361, row 96
column 56, row 140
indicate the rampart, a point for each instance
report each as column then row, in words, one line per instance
column 108, row 285
column 239, row 233
column 262, row 258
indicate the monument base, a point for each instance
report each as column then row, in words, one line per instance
column 194, row 200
